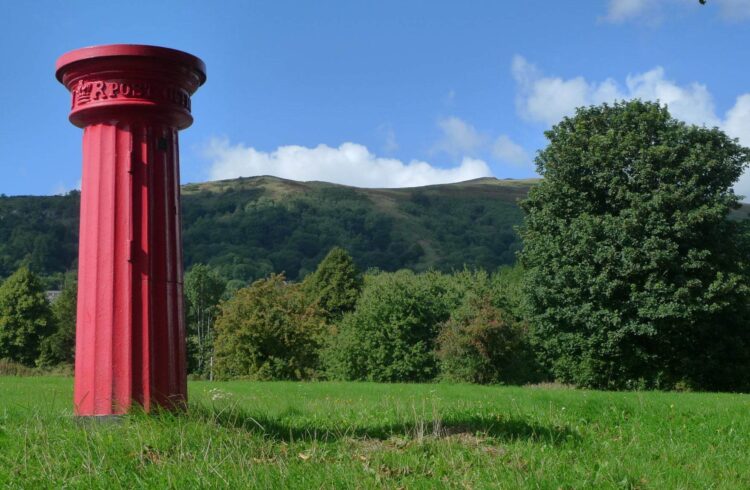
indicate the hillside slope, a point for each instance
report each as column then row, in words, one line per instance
column 250, row 227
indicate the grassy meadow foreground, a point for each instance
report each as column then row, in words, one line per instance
column 361, row 435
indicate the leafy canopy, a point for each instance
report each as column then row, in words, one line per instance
column 635, row 277
column 25, row 317
column 336, row 283
column 268, row 331
column 391, row 334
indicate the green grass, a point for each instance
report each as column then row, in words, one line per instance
column 362, row 435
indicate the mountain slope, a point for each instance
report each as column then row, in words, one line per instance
column 250, row 227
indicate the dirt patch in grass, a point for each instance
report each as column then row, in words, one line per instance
column 451, row 435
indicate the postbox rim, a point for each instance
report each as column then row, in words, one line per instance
column 132, row 51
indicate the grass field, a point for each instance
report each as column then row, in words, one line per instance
column 360, row 435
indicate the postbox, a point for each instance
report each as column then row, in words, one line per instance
column 131, row 101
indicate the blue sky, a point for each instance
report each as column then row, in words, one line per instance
column 386, row 93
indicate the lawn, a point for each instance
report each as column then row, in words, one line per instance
column 246, row 434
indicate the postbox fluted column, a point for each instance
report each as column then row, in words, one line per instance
column 130, row 333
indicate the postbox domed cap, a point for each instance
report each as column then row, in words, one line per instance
column 131, row 51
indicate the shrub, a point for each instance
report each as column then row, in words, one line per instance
column 482, row 343
column 391, row 334
column 506, row 291
column 268, row 331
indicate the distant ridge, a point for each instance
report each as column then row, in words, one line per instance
column 252, row 226
column 271, row 178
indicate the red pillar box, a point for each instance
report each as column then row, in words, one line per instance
column 130, row 337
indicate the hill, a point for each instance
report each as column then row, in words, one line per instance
column 250, row 227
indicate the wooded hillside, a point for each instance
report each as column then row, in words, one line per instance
column 247, row 228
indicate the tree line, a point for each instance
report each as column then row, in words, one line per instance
column 339, row 323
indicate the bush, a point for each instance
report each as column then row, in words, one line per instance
column 506, row 291
column 391, row 334
column 268, row 331
column 482, row 343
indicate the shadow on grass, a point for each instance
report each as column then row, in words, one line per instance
column 281, row 429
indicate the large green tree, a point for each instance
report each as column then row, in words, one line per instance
column 634, row 274
column 25, row 317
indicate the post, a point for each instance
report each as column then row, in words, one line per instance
column 130, row 335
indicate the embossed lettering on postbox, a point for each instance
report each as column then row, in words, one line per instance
column 99, row 90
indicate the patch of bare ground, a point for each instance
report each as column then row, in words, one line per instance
column 461, row 436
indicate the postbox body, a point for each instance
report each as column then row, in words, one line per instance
column 131, row 101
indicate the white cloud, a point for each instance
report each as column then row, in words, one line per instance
column 61, row 188
column 506, row 150
column 734, row 10
column 459, row 137
column 737, row 122
column 547, row 99
column 350, row 164
column 737, row 125
column 623, row 10
column 653, row 11
column 692, row 103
